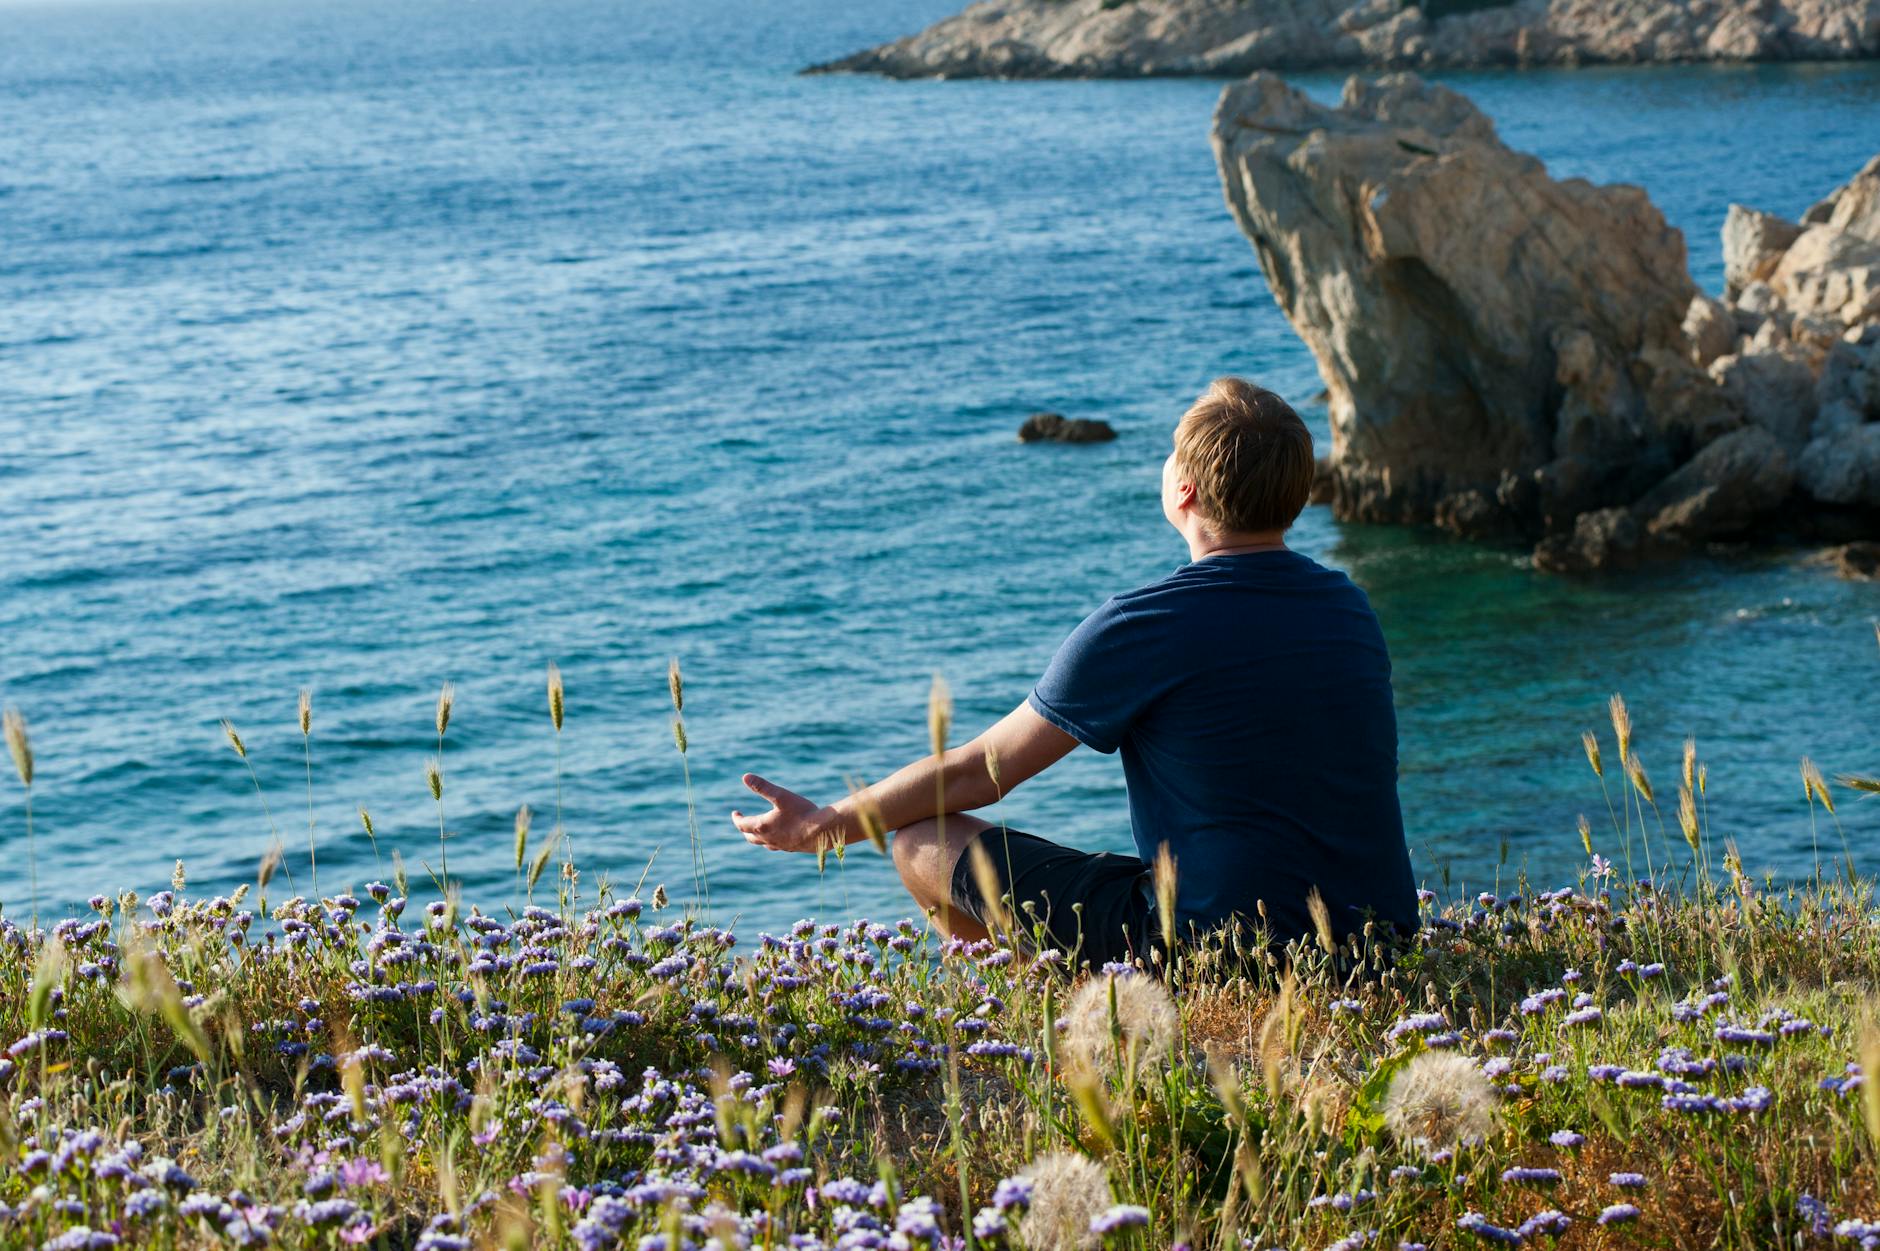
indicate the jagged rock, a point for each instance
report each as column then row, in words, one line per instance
column 1854, row 206
column 1057, row 428
column 1832, row 273
column 1137, row 38
column 1711, row 328
column 1525, row 344
column 1843, row 467
column 1859, row 561
column 1753, row 243
column 1775, row 390
column 1551, row 372
column 1721, row 492
column 1606, row 539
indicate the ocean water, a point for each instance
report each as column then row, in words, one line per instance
column 366, row 347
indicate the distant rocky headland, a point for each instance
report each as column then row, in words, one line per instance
column 1146, row 38
column 1516, row 357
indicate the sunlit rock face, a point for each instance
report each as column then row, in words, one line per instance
column 1510, row 355
column 1139, row 38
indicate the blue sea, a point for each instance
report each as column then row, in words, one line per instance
column 364, row 348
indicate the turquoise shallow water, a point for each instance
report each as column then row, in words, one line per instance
column 364, row 348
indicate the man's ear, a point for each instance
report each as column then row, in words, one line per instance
column 1184, row 496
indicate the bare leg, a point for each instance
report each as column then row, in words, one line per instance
column 925, row 854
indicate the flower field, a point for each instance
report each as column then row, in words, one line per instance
column 1576, row 1067
column 1666, row 1057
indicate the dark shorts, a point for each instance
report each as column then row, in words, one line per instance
column 1095, row 907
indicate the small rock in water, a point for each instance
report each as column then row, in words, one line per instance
column 1057, row 428
column 1859, row 561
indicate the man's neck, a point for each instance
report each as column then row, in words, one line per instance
column 1202, row 545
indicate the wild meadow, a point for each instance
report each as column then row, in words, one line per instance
column 1664, row 1052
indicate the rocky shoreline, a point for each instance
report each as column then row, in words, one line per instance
column 1231, row 38
column 1514, row 357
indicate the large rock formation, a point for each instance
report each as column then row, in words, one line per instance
column 1510, row 355
column 1137, row 38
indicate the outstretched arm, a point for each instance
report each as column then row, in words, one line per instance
column 1022, row 743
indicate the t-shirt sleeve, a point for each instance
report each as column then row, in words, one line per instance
column 1099, row 680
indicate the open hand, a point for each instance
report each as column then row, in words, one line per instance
column 792, row 824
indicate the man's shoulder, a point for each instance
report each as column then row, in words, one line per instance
column 1284, row 571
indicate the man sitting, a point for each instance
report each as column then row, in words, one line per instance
column 1249, row 694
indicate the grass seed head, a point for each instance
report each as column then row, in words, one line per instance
column 306, row 713
column 1439, row 1100
column 1068, row 1191
column 1586, row 834
column 19, row 745
column 1321, row 920
column 554, row 695
column 1690, row 763
column 542, row 857
column 522, row 834
column 1815, row 786
column 434, row 778
column 939, row 714
column 234, row 739
column 1591, row 742
column 675, row 685
column 991, row 892
column 445, row 698
column 1643, row 783
column 868, row 815
column 1621, row 725
column 1165, row 894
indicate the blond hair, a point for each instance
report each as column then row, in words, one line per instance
column 1248, row 455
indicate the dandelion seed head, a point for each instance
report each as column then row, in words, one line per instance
column 1068, row 1192
column 1145, row 1018
column 1439, row 1100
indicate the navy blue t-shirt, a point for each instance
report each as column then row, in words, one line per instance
column 1250, row 697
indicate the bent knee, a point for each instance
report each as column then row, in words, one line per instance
column 915, row 845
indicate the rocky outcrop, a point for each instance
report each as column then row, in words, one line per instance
column 1509, row 355
column 1057, row 428
column 1140, row 38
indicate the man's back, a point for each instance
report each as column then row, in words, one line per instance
column 1250, row 697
